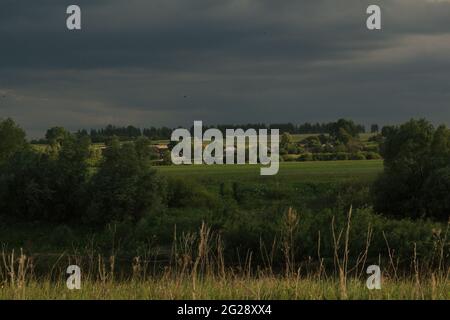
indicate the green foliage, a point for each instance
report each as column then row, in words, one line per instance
column 378, row 138
column 414, row 154
column 186, row 193
column 62, row 235
column 436, row 194
column 58, row 186
column 66, row 185
column 324, row 156
column 342, row 156
column 333, row 156
column 387, row 130
column 306, row 157
column 312, row 143
column 36, row 185
column 286, row 144
column 12, row 139
column 143, row 148
column 125, row 185
column 70, row 179
column 290, row 157
column 370, row 155
column 25, row 183
column 344, row 130
column 56, row 135
column 358, row 156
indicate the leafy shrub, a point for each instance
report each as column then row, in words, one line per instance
column 25, row 186
column 305, row 157
column 124, row 186
column 183, row 193
column 372, row 147
column 414, row 181
column 47, row 187
column 342, row 156
column 372, row 155
column 324, row 156
column 62, row 235
column 358, row 156
column 12, row 139
column 290, row 157
column 437, row 191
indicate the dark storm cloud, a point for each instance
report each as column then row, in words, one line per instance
column 164, row 62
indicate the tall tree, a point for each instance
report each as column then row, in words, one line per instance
column 12, row 139
column 413, row 155
column 125, row 186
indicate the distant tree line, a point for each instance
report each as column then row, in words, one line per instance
column 305, row 128
column 126, row 133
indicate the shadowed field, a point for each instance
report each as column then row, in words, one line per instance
column 311, row 171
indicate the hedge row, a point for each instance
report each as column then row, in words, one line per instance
column 364, row 155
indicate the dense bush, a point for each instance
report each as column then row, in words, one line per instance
column 370, row 155
column 125, row 185
column 437, row 193
column 305, row 157
column 324, row 156
column 342, row 156
column 414, row 181
column 358, row 156
column 261, row 230
column 12, row 139
column 184, row 193
column 25, row 186
column 46, row 186
column 401, row 235
column 331, row 156
column 59, row 185
column 289, row 157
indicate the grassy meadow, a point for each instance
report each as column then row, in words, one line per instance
column 197, row 269
column 242, row 288
column 239, row 238
column 289, row 172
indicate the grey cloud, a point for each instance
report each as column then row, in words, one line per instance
column 234, row 60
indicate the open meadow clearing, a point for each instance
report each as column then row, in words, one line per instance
column 290, row 172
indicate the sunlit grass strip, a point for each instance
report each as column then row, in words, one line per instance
column 232, row 288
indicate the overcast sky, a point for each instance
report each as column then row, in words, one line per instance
column 170, row 62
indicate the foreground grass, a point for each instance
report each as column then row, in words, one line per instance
column 232, row 288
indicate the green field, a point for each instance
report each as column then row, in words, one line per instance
column 312, row 171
